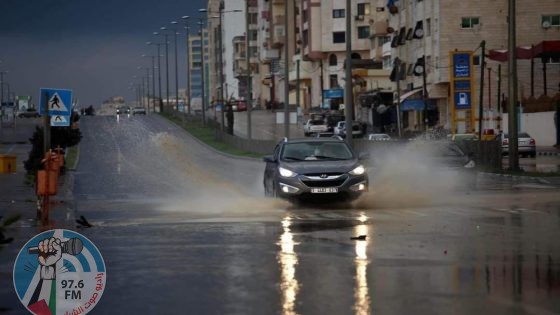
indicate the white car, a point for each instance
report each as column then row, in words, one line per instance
column 314, row 126
column 379, row 137
column 340, row 129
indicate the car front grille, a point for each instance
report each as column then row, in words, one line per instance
column 324, row 183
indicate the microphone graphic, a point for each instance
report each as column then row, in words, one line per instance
column 72, row 247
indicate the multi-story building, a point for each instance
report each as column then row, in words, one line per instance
column 452, row 25
column 197, row 51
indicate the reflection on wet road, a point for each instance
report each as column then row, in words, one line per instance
column 184, row 230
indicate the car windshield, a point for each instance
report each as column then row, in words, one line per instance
column 316, row 122
column 312, row 151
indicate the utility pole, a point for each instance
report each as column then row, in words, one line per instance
column 187, row 30
column 221, row 70
column 166, row 70
column 512, row 89
column 298, row 83
column 481, row 92
column 398, row 79
column 202, row 74
column 248, row 89
column 286, row 73
column 176, row 71
column 348, row 104
column 424, row 94
column 153, row 85
column 499, row 98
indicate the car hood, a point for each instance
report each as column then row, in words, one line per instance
column 321, row 166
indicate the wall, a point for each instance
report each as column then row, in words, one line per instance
column 539, row 125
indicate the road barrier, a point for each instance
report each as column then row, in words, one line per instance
column 8, row 163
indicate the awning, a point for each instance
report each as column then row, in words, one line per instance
column 408, row 94
column 546, row 49
column 417, row 105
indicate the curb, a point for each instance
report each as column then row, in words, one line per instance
column 210, row 147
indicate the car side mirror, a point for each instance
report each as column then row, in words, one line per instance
column 269, row 159
column 363, row 156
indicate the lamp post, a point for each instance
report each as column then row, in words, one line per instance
column 176, row 68
column 2, row 86
column 153, row 83
column 187, row 30
column 159, row 71
column 166, row 64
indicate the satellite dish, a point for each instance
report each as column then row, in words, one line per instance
column 546, row 24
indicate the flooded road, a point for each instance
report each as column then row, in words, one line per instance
column 184, row 230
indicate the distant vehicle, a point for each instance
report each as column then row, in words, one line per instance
column 332, row 120
column 28, row 113
column 138, row 111
column 340, row 129
column 314, row 126
column 123, row 110
column 525, row 143
column 314, row 167
column 379, row 137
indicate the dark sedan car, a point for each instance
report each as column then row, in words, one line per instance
column 314, row 167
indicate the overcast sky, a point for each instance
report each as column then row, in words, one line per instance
column 91, row 47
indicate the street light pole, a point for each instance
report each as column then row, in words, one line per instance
column 187, row 29
column 176, row 70
column 248, row 89
column 286, row 74
column 166, row 67
column 348, row 105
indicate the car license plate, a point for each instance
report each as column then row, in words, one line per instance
column 326, row 190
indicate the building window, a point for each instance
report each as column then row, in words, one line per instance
column 551, row 20
column 338, row 13
column 339, row 37
column 333, row 60
column 382, row 40
column 553, row 60
column 470, row 22
column 253, row 51
column 253, row 18
column 363, row 8
column 305, row 35
column 476, row 60
column 363, row 31
column 333, row 80
column 428, row 27
column 253, row 35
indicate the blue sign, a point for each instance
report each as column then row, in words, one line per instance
column 462, row 100
column 333, row 93
column 55, row 102
column 462, row 65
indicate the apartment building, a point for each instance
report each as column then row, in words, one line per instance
column 451, row 25
column 197, row 51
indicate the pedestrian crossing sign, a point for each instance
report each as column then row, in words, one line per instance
column 55, row 102
column 60, row 121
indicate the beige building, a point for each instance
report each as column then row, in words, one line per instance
column 461, row 25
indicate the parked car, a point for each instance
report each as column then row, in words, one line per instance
column 379, row 137
column 525, row 143
column 332, row 120
column 314, row 126
column 357, row 129
column 138, row 111
column 462, row 137
column 28, row 113
column 314, row 167
column 325, row 135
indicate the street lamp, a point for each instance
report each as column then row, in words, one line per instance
column 186, row 18
column 159, row 72
column 153, row 83
column 176, row 69
column 166, row 63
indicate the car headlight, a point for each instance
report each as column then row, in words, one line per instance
column 470, row 164
column 359, row 170
column 286, row 172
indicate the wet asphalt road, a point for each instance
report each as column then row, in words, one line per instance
column 184, row 230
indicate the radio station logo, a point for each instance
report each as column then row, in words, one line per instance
column 59, row 272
